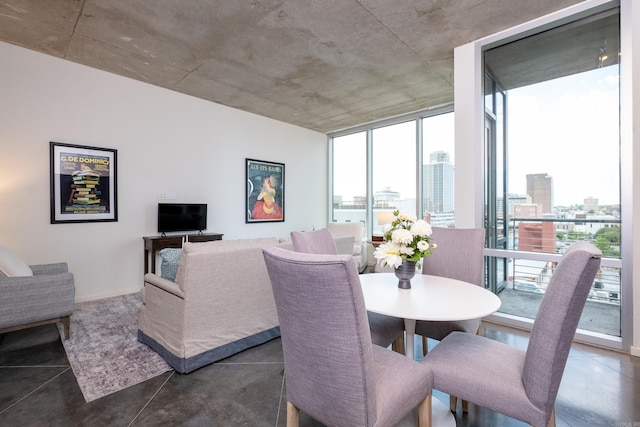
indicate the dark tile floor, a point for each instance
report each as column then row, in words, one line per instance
column 38, row 388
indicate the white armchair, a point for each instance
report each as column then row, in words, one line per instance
column 356, row 230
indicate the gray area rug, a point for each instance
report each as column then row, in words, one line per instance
column 104, row 351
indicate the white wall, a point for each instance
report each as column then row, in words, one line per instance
column 630, row 97
column 166, row 142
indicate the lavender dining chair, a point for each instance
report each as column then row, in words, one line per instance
column 521, row 384
column 333, row 372
column 385, row 330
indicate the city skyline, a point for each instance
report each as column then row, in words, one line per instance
column 567, row 128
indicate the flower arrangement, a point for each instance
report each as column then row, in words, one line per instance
column 406, row 238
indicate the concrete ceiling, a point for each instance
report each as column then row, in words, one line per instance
column 320, row 64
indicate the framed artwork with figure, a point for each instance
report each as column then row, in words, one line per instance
column 265, row 191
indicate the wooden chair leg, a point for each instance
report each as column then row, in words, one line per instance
column 424, row 412
column 66, row 325
column 398, row 344
column 453, row 403
column 425, row 345
column 293, row 415
column 552, row 418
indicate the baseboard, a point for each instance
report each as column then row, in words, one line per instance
column 635, row 351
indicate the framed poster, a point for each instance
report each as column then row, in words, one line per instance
column 83, row 183
column 265, row 191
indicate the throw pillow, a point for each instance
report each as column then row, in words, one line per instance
column 169, row 266
column 11, row 265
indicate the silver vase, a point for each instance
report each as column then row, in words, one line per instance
column 405, row 273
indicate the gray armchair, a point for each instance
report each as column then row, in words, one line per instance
column 332, row 370
column 522, row 385
column 46, row 297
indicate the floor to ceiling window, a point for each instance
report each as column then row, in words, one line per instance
column 405, row 164
column 349, row 165
column 394, row 171
column 438, row 170
column 552, row 145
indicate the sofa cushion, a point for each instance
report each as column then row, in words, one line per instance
column 169, row 267
column 11, row 265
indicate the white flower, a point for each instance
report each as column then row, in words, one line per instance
column 407, row 250
column 402, row 236
column 388, row 253
column 407, row 216
column 421, row 228
column 406, row 239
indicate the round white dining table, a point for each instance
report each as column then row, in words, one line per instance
column 432, row 298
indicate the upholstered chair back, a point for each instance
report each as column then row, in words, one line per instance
column 325, row 336
column 556, row 323
column 459, row 254
column 384, row 329
column 314, row 242
column 354, row 229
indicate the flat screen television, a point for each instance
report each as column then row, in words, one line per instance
column 182, row 217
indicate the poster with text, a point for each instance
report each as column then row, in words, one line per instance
column 265, row 191
column 83, row 183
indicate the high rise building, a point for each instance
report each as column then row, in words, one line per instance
column 530, row 210
column 540, row 189
column 591, row 205
column 512, row 200
column 438, row 183
column 387, row 198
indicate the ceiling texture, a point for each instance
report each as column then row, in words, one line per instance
column 325, row 65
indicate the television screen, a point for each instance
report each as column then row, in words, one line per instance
column 182, row 217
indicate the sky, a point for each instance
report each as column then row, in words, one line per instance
column 567, row 128
column 393, row 150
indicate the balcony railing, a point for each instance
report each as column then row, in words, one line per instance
column 528, row 272
column 555, row 235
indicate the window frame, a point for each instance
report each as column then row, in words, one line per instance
column 369, row 128
column 470, row 119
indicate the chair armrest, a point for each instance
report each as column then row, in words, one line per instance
column 363, row 256
column 35, row 284
column 164, row 284
column 364, row 250
column 30, row 299
column 42, row 269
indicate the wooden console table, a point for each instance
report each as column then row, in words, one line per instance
column 152, row 244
